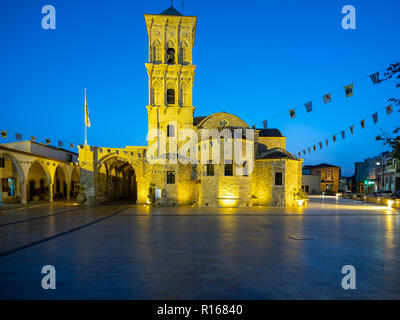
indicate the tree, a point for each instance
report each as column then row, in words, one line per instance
column 393, row 71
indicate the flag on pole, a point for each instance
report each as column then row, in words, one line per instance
column 3, row 134
column 375, row 78
column 352, row 129
column 348, row 90
column 87, row 120
column 327, row 98
column 375, row 117
column 389, row 109
column 308, row 106
column 292, row 113
column 343, row 134
column 362, row 122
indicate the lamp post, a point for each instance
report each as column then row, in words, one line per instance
column 382, row 165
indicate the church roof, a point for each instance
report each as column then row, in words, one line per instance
column 270, row 133
column 171, row 11
column 197, row 120
column 277, row 153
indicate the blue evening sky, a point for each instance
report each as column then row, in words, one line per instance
column 254, row 59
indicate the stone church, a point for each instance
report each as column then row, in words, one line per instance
column 270, row 175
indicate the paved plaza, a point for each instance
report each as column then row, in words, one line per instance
column 125, row 251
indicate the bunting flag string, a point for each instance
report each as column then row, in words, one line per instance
column 19, row 137
column 348, row 90
column 327, row 98
column 388, row 109
column 375, row 78
column 308, row 106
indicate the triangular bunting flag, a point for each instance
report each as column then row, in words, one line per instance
column 3, row 134
column 320, row 145
column 389, row 109
column 309, row 150
column 314, row 148
column 334, row 138
column 308, row 106
column 362, row 122
column 60, row 143
column 343, row 134
column 352, row 129
column 33, row 139
column 71, row 145
column 375, row 117
column 348, row 90
column 292, row 113
column 48, row 141
column 327, row 142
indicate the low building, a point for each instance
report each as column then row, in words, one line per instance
column 31, row 171
column 329, row 176
column 347, row 184
column 311, row 184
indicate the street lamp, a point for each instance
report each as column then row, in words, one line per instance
column 382, row 165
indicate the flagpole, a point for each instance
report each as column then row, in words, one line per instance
column 85, row 121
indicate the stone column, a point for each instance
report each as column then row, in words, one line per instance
column 68, row 191
column 51, row 192
column 23, row 192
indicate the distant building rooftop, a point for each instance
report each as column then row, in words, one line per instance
column 321, row 165
column 269, row 133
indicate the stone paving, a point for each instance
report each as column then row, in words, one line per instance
column 125, row 251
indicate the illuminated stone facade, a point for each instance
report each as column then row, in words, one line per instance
column 269, row 176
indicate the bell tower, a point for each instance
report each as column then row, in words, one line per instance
column 171, row 71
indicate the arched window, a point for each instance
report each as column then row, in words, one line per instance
column 171, row 53
column 157, row 94
column 184, row 53
column 156, row 51
column 185, row 94
column 171, row 96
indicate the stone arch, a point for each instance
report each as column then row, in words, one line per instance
column 118, row 179
column 185, row 94
column 21, row 177
column 214, row 121
column 74, row 182
column 171, row 92
column 157, row 93
column 171, row 50
column 184, row 52
column 156, row 50
column 39, row 182
column 61, row 183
